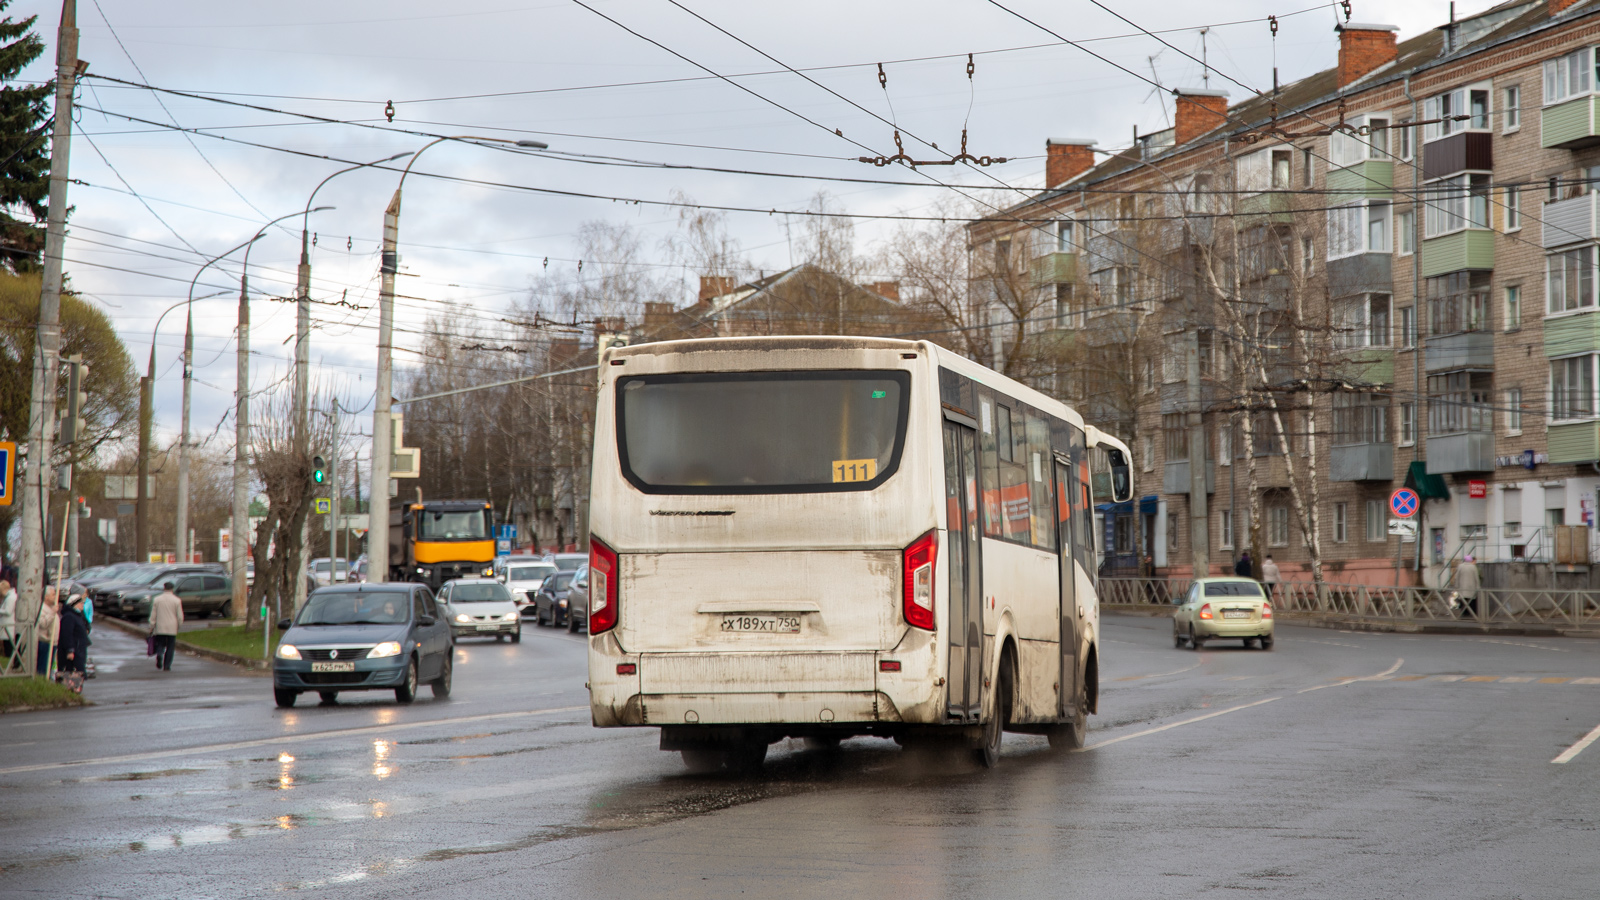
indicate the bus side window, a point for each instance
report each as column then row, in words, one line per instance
column 1040, row 464
column 990, row 465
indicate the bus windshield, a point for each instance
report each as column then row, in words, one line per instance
column 761, row 432
column 437, row 525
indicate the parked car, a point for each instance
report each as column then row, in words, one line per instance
column 104, row 574
column 522, row 577
column 550, row 603
column 1229, row 608
column 364, row 637
column 202, row 593
column 122, row 597
column 329, row 571
column 480, row 606
column 578, row 601
column 569, row 562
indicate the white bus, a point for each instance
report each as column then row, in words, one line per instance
column 822, row 537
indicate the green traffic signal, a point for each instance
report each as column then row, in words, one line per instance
column 319, row 473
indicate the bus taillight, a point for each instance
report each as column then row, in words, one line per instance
column 602, row 586
column 917, row 567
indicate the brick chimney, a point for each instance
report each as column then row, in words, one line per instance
column 1197, row 112
column 1363, row 48
column 888, row 290
column 716, row 285
column 1557, row 7
column 1066, row 159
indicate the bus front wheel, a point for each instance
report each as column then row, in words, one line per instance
column 988, row 753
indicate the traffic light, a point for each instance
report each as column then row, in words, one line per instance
column 73, row 426
column 319, row 470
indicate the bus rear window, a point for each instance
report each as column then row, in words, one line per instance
column 761, row 432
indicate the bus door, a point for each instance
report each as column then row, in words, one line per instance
column 965, row 632
column 1068, row 536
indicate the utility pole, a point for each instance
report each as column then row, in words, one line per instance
column 141, row 515
column 382, row 418
column 302, row 370
column 1199, row 522
column 185, row 539
column 241, row 542
column 42, row 398
column 73, row 429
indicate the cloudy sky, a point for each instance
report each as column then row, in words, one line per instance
column 156, row 202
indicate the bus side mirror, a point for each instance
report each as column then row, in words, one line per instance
column 1121, row 476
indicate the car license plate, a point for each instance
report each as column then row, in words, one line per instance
column 1236, row 614
column 779, row 624
column 487, row 627
column 333, row 667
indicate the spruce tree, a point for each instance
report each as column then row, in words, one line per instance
column 24, row 143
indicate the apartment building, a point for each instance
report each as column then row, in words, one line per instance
column 1382, row 275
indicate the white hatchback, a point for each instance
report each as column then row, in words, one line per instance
column 482, row 607
column 523, row 577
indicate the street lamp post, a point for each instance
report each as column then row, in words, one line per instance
column 240, row 545
column 382, row 420
column 146, row 388
column 302, row 335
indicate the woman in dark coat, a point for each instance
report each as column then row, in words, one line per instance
column 72, row 653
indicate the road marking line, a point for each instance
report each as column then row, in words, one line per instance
column 1445, row 677
column 1381, row 676
column 1517, row 679
column 1159, row 674
column 1586, row 681
column 283, row 738
column 1410, row 677
column 1233, row 709
column 1567, row 754
column 1554, row 680
column 1483, row 678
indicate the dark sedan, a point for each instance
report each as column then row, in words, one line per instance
column 578, row 602
column 550, row 604
column 364, row 637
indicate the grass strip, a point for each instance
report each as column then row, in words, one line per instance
column 235, row 639
column 35, row 693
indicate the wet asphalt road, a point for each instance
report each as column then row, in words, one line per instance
column 1222, row 773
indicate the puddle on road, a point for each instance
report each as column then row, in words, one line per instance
column 197, row 836
column 134, row 776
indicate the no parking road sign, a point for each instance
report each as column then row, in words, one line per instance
column 1404, row 503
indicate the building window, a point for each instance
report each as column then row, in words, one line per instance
column 1456, row 203
column 1202, row 194
column 1225, row 443
column 1341, row 522
column 1408, row 327
column 1064, row 241
column 1281, row 160
column 1305, row 167
column 1513, row 208
column 1361, row 227
column 1307, row 256
column 1572, row 387
column 1002, row 255
column 1459, row 402
column 1513, row 410
column 1444, row 108
column 1278, row 525
column 1568, row 76
column 1149, row 375
column 1458, row 302
column 1361, row 322
column 1176, row 431
column 1405, row 228
column 1226, row 538
column 1360, row 418
column 1407, row 139
column 1570, row 281
column 1514, row 307
column 1408, row 423
column 1147, row 453
column 1346, row 149
column 1377, row 527
column 1511, row 118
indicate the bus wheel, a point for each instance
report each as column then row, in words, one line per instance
column 702, row 761
column 988, row 754
column 1070, row 735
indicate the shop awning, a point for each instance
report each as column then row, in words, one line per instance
column 1149, row 504
column 1428, row 487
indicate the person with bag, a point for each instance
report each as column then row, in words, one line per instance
column 73, row 650
column 166, row 616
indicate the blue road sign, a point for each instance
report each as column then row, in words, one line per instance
column 8, row 455
column 1404, row 502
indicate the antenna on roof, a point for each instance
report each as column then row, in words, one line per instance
column 1205, row 68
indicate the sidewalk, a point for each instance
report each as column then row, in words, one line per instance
column 1357, row 623
column 246, row 665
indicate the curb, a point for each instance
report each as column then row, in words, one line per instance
column 250, row 665
column 8, row 710
column 1352, row 623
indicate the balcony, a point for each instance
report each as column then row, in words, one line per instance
column 1055, row 268
column 1360, row 274
column 1571, row 221
column 1373, row 179
column 1268, row 206
column 1372, row 365
column 1466, row 350
column 1578, row 442
column 1471, row 248
column 1577, row 333
column 1468, row 451
column 1464, row 151
column 1175, row 480
column 1569, row 125
column 1361, row 462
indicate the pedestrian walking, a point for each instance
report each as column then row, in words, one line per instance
column 166, row 614
column 1242, row 568
column 1269, row 575
column 1467, row 585
column 49, row 630
column 72, row 651
column 8, row 623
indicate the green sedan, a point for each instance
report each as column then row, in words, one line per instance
column 1228, row 608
